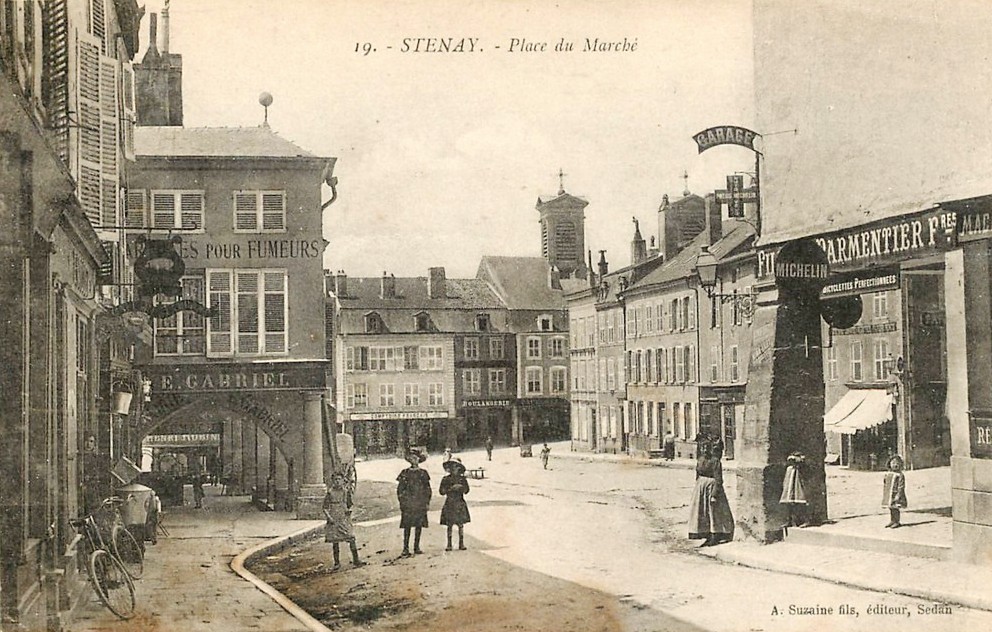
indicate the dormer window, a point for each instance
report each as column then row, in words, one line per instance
column 422, row 321
column 545, row 322
column 482, row 322
column 374, row 324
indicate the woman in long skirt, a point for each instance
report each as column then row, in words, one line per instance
column 710, row 518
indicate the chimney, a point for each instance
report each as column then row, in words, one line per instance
column 387, row 286
column 436, row 283
column 165, row 28
column 714, row 224
column 152, row 52
column 340, row 284
column 638, row 251
column 604, row 267
column 554, row 278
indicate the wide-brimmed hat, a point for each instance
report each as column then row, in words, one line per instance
column 454, row 464
column 416, row 454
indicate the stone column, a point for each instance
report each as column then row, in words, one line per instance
column 310, row 500
column 237, row 483
column 249, row 463
column 516, row 433
column 280, row 476
column 264, row 467
column 783, row 414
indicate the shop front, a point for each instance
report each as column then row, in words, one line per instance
column 486, row 419
column 721, row 411
column 393, row 432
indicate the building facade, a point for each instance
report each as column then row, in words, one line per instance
column 60, row 62
column 242, row 207
column 915, row 205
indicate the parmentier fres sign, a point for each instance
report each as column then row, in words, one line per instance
column 884, row 242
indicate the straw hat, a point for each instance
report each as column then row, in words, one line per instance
column 454, row 465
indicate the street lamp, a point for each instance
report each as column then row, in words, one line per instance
column 705, row 268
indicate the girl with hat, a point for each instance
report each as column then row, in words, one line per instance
column 455, row 511
column 414, row 493
column 337, row 511
column 894, row 492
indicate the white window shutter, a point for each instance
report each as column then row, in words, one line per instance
column 191, row 211
column 134, row 208
column 89, row 154
column 163, row 210
column 245, row 210
column 276, row 306
column 220, row 333
column 274, row 211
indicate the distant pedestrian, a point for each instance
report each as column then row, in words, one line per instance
column 545, row 453
column 454, row 486
column 709, row 512
column 489, row 448
column 894, row 492
column 793, row 493
column 414, row 493
column 198, row 490
column 337, row 511
column 152, row 518
column 669, row 446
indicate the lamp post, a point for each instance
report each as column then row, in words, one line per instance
column 705, row 268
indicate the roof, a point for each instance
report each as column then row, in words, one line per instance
column 678, row 267
column 740, row 234
column 561, row 200
column 242, row 142
column 521, row 282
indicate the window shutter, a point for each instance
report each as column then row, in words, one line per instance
column 191, row 210
column 130, row 115
column 88, row 73
column 219, row 331
column 274, row 211
column 245, row 210
column 163, row 210
column 274, row 285
column 134, row 209
column 246, row 288
column 109, row 141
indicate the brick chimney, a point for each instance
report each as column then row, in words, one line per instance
column 554, row 278
column 387, row 286
column 436, row 286
column 714, row 222
column 340, row 284
column 604, row 267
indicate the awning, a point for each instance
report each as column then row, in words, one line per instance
column 859, row 409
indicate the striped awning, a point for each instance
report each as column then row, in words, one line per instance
column 859, row 409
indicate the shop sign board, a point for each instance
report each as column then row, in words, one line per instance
column 233, row 377
column 980, row 423
column 418, row 414
column 725, row 135
column 861, row 283
column 488, row 403
column 801, row 267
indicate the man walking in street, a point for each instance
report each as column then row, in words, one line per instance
column 545, row 452
column 489, row 448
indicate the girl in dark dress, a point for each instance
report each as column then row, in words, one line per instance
column 414, row 493
column 455, row 511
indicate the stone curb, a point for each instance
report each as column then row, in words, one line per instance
column 891, row 585
column 278, row 544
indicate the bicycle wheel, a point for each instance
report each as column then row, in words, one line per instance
column 128, row 551
column 112, row 583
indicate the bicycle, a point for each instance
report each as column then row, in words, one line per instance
column 122, row 542
column 110, row 578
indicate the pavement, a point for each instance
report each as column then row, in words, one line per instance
column 854, row 548
column 189, row 583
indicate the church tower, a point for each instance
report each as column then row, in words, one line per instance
column 563, row 241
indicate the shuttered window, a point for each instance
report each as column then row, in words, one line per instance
column 183, row 332
column 260, row 211
column 177, row 210
column 253, row 312
column 135, row 209
column 99, row 118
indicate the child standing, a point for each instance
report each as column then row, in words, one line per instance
column 337, row 510
column 793, row 494
column 455, row 511
column 413, row 490
column 894, row 493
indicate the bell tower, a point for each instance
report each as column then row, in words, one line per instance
column 563, row 241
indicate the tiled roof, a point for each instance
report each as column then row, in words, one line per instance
column 683, row 264
column 738, row 235
column 521, row 282
column 464, row 298
column 247, row 142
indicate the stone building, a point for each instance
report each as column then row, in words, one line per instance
column 873, row 196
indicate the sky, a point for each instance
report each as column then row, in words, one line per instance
column 441, row 156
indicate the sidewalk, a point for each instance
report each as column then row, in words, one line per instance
column 855, row 549
column 188, row 582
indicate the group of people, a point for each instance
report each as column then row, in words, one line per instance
column 414, row 493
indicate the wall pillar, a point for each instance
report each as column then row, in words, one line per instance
column 967, row 283
column 280, row 479
column 249, row 459
column 264, row 466
column 310, row 500
column 237, row 484
column 784, row 413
